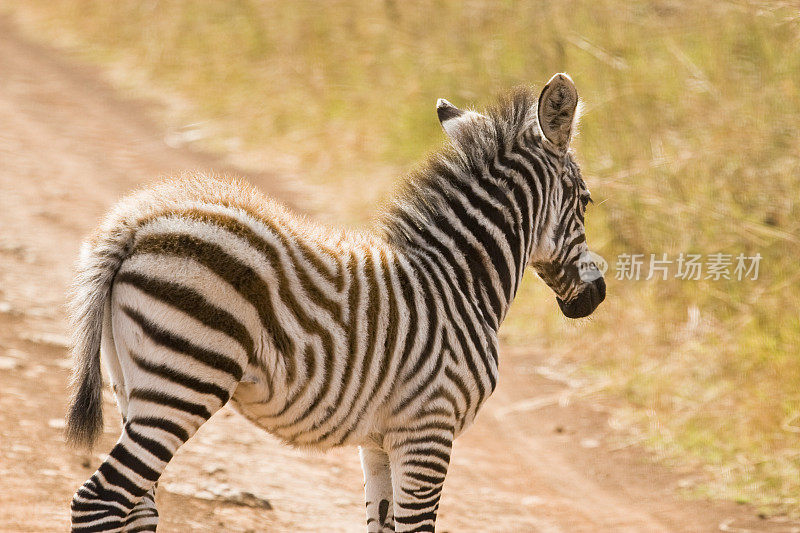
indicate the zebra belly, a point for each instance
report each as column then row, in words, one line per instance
column 274, row 412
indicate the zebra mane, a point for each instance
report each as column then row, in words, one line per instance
column 418, row 200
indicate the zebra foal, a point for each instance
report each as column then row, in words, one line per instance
column 201, row 291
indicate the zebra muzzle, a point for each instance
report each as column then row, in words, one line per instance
column 586, row 302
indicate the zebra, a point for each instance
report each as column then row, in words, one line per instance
column 201, row 290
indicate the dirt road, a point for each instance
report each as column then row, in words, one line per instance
column 69, row 147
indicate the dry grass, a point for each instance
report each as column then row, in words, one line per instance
column 690, row 142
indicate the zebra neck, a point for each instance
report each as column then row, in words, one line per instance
column 478, row 214
column 473, row 233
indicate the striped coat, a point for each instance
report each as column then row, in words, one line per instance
column 201, row 290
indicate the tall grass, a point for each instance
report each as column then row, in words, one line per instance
column 690, row 143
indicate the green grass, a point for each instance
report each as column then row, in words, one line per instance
column 690, row 143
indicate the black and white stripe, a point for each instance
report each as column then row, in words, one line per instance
column 202, row 291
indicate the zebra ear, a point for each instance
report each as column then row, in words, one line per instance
column 556, row 110
column 451, row 117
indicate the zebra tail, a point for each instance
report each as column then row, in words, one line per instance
column 99, row 261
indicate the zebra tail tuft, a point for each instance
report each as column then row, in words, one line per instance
column 99, row 262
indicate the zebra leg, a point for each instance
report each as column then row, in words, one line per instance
column 144, row 516
column 377, row 490
column 107, row 498
column 158, row 423
column 127, row 477
column 419, row 462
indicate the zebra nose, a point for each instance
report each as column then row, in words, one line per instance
column 600, row 285
column 586, row 302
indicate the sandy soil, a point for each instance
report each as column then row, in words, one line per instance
column 69, row 147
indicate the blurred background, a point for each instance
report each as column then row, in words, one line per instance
column 689, row 141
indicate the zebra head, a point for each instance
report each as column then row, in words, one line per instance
column 532, row 141
column 562, row 258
